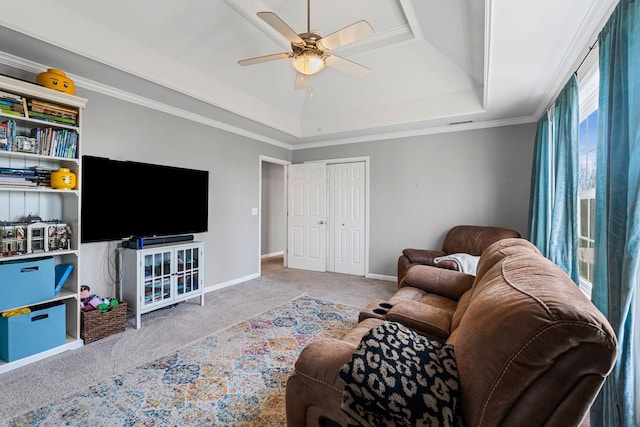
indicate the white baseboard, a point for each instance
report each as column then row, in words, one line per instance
column 272, row 254
column 381, row 277
column 230, row 283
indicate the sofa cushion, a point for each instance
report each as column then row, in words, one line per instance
column 397, row 377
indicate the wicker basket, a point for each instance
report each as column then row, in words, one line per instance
column 96, row 325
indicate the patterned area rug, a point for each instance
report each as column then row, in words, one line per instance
column 235, row 377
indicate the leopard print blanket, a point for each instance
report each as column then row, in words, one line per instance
column 399, row 378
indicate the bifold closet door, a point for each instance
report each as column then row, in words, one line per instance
column 306, row 216
column 347, row 218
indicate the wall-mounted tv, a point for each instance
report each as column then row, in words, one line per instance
column 122, row 199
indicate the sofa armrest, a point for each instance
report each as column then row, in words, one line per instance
column 319, row 363
column 440, row 281
column 429, row 321
column 321, row 360
column 422, row 256
column 412, row 257
column 314, row 390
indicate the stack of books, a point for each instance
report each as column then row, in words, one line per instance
column 50, row 112
column 18, row 177
column 12, row 104
column 35, row 176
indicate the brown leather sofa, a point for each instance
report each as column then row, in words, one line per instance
column 530, row 348
column 469, row 239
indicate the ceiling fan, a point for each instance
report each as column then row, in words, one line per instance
column 310, row 51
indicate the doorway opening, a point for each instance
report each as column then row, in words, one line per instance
column 272, row 214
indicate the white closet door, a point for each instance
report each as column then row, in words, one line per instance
column 307, row 211
column 348, row 219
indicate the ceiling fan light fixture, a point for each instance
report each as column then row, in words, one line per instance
column 308, row 63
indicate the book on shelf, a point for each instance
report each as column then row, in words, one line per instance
column 12, row 107
column 37, row 102
column 11, row 112
column 52, row 118
column 11, row 132
column 8, row 183
column 4, row 136
column 47, row 110
column 10, row 96
column 25, row 110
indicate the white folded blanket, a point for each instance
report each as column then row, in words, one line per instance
column 466, row 263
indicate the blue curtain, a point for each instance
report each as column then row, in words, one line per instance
column 617, row 238
column 541, row 187
column 553, row 210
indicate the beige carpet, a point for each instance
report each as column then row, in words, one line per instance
column 165, row 330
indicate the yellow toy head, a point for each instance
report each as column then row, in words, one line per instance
column 56, row 79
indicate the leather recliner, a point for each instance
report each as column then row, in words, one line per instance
column 530, row 348
column 469, row 239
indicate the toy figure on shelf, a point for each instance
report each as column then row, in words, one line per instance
column 88, row 301
column 63, row 237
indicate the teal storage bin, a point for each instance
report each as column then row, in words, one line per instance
column 27, row 334
column 27, row 282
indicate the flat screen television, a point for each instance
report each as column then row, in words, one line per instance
column 123, row 198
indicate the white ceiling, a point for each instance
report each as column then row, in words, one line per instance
column 432, row 62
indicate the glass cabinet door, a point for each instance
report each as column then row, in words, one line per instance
column 157, row 277
column 187, row 269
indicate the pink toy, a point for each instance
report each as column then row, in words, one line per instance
column 88, row 301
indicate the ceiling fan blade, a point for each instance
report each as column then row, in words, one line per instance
column 280, row 26
column 259, row 59
column 350, row 34
column 302, row 81
column 346, row 66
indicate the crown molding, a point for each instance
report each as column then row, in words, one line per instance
column 34, row 67
column 420, row 132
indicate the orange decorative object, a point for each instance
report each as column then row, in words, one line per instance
column 63, row 179
column 56, row 79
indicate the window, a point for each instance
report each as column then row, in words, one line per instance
column 587, row 195
column 587, row 143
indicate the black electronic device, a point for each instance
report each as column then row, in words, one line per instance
column 125, row 198
column 140, row 242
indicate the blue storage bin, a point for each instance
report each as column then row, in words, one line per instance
column 27, row 282
column 26, row 334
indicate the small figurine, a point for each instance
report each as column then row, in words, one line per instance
column 63, row 237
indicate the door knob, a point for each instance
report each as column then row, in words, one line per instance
column 321, row 222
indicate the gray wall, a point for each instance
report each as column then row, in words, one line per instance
column 274, row 223
column 422, row 186
column 120, row 130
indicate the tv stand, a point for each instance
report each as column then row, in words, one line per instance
column 161, row 275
